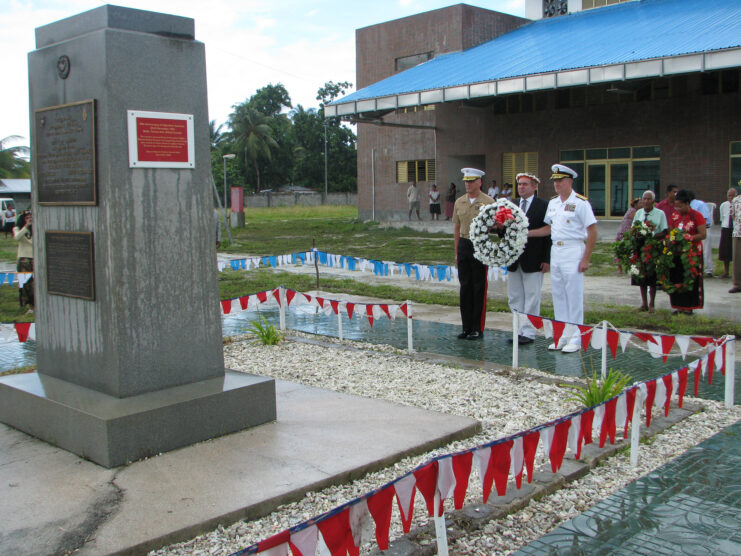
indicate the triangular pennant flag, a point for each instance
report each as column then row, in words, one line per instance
column 319, row 301
column 682, row 387
column 369, row 312
column 529, row 447
column 350, row 308
column 621, row 413
column 586, row 425
column 660, row 397
column 22, row 329
column 32, row 331
column 482, row 457
column 462, row 470
column 654, row 348
column 335, row 306
column 404, row 488
column 624, row 339
column 380, row 506
column 711, row 365
column 290, row 294
column 385, row 309
column 599, row 415
column 586, row 335
column 244, row 302
column 650, row 395
column 701, row 340
column 612, row 341
column 723, row 365
column 336, row 533
column 426, row 481
column 668, row 384
column 575, row 436
column 598, row 337
column 537, row 322
column 304, row 542
column 276, row 541
column 403, row 308
column 517, row 461
column 262, row 296
column 683, row 342
column 445, row 479
column 557, row 331
column 630, row 400
column 698, row 372
column 558, row 445
column 226, row 306
column 644, row 337
column 500, row 462
column 667, row 342
column 546, row 435
column 360, row 520
column 608, row 423
column 276, row 295
column 548, row 328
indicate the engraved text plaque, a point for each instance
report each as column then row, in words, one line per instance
column 70, row 269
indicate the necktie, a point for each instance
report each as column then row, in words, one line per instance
column 523, row 205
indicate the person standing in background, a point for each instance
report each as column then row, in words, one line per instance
column 707, row 248
column 434, row 203
column 450, row 201
column 736, row 219
column 23, row 234
column 667, row 205
column 725, row 247
column 493, row 190
column 413, row 198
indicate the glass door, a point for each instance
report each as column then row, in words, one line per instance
column 596, row 185
column 608, row 187
column 619, row 189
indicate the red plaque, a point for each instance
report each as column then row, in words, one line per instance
column 160, row 140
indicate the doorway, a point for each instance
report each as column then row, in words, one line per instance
column 608, row 186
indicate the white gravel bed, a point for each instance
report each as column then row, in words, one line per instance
column 505, row 404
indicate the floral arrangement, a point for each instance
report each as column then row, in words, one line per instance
column 638, row 249
column 499, row 233
column 678, row 244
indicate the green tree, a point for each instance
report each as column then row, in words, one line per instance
column 12, row 165
column 341, row 142
column 251, row 134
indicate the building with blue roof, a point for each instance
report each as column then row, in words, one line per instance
column 634, row 96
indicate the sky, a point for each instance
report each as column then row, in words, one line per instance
column 249, row 43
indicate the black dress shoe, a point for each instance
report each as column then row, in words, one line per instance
column 475, row 335
column 463, row 335
column 522, row 340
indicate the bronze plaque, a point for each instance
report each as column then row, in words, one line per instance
column 65, row 154
column 70, row 265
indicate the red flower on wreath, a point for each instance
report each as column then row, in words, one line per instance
column 503, row 214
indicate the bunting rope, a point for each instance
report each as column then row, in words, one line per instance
column 658, row 345
column 19, row 278
column 343, row 529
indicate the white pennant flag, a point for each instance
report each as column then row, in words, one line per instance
column 404, row 488
column 548, row 328
column 306, row 540
column 546, row 435
column 32, row 332
column 621, row 411
column 598, row 337
column 516, row 457
column 624, row 339
column 481, row 457
column 675, row 382
column 703, row 363
column 8, row 333
column 599, row 415
column 684, row 343
column 660, row 398
column 654, row 348
column 445, row 478
column 360, row 522
column 221, row 265
column 574, row 434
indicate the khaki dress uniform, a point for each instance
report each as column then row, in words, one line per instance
column 471, row 272
column 569, row 221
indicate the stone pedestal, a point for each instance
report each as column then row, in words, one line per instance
column 153, row 325
column 237, row 219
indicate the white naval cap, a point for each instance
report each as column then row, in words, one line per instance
column 471, row 174
column 560, row 171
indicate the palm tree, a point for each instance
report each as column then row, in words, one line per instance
column 12, row 163
column 252, row 133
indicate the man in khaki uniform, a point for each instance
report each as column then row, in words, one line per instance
column 471, row 272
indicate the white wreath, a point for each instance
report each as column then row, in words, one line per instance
column 491, row 248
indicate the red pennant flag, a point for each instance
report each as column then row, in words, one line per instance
column 668, row 387
column 307, row 296
column 586, row 335
column 682, row 386
column 711, row 366
column 290, row 294
column 335, row 306
column 22, row 329
column 262, row 296
column 558, row 444
column 350, row 309
column 369, row 312
column 700, row 340
column 276, row 295
column 667, row 342
column 630, row 402
column 403, row 308
column 651, row 394
column 244, row 301
column 643, row 336
column 320, row 301
column 557, row 331
column 337, row 533
column 462, row 471
column 587, row 418
column 385, row 309
column 529, row 446
column 499, row 461
column 698, row 372
column 275, row 540
column 608, row 423
column 723, row 367
column 379, row 505
column 226, row 306
column 427, row 484
column 613, row 337
column 537, row 322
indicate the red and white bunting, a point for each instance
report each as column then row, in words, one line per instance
column 462, row 469
column 517, row 460
column 360, row 521
column 446, row 481
column 558, row 444
column 426, row 483
column 305, row 541
column 575, row 437
column 586, row 335
column 380, row 507
column 482, row 456
column 404, row 488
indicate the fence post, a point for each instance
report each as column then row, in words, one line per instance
column 339, row 320
column 515, row 342
column 282, row 309
column 730, row 371
column 410, row 335
column 635, row 428
column 441, row 533
column 604, row 349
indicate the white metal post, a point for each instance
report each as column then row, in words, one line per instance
column 604, row 349
column 339, row 320
column 515, row 342
column 441, row 532
column 282, row 308
column 635, row 428
column 730, row 372
column 410, row 335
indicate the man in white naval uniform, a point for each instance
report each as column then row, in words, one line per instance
column 569, row 220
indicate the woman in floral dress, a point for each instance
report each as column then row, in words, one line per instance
column 692, row 223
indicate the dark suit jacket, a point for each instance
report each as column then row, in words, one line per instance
column 537, row 249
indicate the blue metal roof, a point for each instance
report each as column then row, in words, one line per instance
column 621, row 33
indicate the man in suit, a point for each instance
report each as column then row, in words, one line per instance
column 525, row 278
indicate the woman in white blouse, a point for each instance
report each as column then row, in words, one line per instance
column 725, row 248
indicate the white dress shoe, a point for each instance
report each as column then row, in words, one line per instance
column 553, row 347
column 570, row 348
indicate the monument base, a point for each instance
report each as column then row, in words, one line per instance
column 111, row 431
column 236, row 219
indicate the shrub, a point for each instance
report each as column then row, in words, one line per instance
column 598, row 390
column 265, row 333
